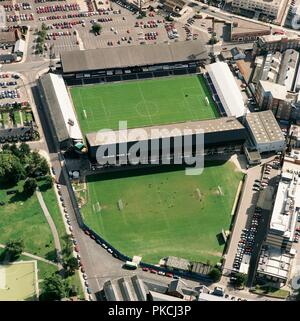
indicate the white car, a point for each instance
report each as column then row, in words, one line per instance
column 110, row 251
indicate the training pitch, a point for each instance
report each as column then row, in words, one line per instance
column 143, row 103
column 18, row 281
column 163, row 212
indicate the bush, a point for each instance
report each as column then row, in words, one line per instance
column 215, row 274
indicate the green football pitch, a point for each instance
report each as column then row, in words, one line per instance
column 155, row 213
column 143, row 103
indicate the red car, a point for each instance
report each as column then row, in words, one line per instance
column 153, row 271
column 169, row 275
column 87, row 232
column 145, row 269
column 76, row 248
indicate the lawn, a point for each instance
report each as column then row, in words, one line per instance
column 164, row 212
column 22, row 218
column 143, row 103
column 271, row 292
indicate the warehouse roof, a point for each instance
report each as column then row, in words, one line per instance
column 137, row 55
column 227, row 89
column 241, row 26
column 60, row 107
column 264, row 127
column 162, row 131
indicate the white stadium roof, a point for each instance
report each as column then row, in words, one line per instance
column 227, row 89
column 66, row 107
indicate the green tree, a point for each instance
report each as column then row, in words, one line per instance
column 30, row 186
column 48, row 181
column 96, row 28
column 11, row 169
column 14, row 249
column 215, row 274
column 68, row 246
column 213, row 40
column 72, row 265
column 54, row 288
column 37, row 165
column 241, row 279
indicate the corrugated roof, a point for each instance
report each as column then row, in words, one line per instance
column 137, row 55
column 163, row 131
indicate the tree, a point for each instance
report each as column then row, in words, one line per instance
column 11, row 169
column 72, row 264
column 30, row 186
column 240, row 280
column 37, row 165
column 14, row 249
column 96, row 28
column 54, row 288
column 48, row 181
column 68, row 248
column 215, row 274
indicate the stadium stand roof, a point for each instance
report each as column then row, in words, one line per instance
column 60, row 107
column 129, row 56
column 264, row 127
column 227, row 89
column 162, row 131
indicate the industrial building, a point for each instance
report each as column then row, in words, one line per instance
column 294, row 135
column 220, row 135
column 245, row 30
column 277, row 68
column 276, row 43
column 59, row 109
column 288, row 68
column 132, row 62
column 276, row 98
column 274, row 265
column 271, row 8
column 135, row 288
column 265, row 132
column 285, row 212
column 225, row 91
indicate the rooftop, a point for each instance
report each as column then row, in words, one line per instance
column 227, row 89
column 241, row 26
column 60, row 107
column 278, row 91
column 273, row 262
column 177, row 263
column 162, row 131
column 137, row 55
column 286, row 206
column 278, row 38
column 264, row 127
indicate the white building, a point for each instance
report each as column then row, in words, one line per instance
column 227, row 89
column 267, row 7
column 285, row 212
column 265, row 131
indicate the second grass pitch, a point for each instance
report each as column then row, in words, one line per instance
column 164, row 212
column 143, row 103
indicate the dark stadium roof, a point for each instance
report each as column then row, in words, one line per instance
column 222, row 124
column 129, row 56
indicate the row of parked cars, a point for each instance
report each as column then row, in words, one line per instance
column 168, row 274
column 17, row 6
column 74, row 241
column 58, row 8
column 11, row 94
column 69, row 16
column 6, row 84
column 246, row 243
column 21, row 17
column 14, row 105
